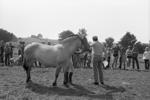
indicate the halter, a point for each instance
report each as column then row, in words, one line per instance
column 82, row 41
column 76, row 35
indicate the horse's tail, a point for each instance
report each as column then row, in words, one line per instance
column 25, row 64
column 28, row 60
column 29, row 57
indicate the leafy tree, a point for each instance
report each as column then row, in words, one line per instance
column 65, row 34
column 7, row 36
column 127, row 39
column 33, row 36
column 109, row 42
column 40, row 35
column 141, row 47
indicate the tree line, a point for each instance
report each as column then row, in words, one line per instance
column 7, row 36
column 127, row 40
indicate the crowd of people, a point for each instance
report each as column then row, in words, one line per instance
column 7, row 53
column 117, row 57
column 7, row 56
column 125, row 58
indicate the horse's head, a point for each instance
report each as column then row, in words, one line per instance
column 84, row 43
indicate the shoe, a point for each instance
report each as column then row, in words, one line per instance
column 102, row 83
column 70, row 78
column 96, row 83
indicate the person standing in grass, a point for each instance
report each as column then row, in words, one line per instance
column 97, row 52
column 122, row 59
column 129, row 55
column 146, row 58
column 7, row 55
column 135, row 53
column 108, row 56
column 2, row 47
column 22, row 46
column 116, row 51
column 11, row 50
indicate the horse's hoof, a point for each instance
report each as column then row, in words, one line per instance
column 66, row 85
column 54, row 84
column 28, row 81
column 71, row 83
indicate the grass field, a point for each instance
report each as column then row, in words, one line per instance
column 120, row 85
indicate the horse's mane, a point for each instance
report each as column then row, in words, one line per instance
column 68, row 38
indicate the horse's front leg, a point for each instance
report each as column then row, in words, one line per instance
column 58, row 69
column 66, row 74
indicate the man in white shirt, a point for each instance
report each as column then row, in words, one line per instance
column 98, row 51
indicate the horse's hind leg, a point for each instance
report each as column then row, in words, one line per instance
column 27, row 69
column 56, row 75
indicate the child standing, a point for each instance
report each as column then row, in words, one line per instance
column 146, row 57
column 108, row 56
column 129, row 56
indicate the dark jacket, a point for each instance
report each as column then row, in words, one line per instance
column 135, row 51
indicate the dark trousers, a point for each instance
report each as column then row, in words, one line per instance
column 108, row 60
column 122, row 61
column 88, row 63
column 7, row 59
column 2, row 58
column 11, row 55
column 97, row 68
column 146, row 63
column 21, row 60
column 115, row 61
column 135, row 59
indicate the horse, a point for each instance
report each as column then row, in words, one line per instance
column 58, row 55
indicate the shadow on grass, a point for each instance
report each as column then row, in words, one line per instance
column 74, row 90
column 113, row 89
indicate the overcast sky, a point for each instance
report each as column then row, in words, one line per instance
column 105, row 18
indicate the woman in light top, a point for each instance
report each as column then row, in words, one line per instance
column 146, row 57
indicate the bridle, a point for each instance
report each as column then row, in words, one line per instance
column 80, row 38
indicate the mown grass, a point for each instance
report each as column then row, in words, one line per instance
column 120, row 85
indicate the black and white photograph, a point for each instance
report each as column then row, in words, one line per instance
column 74, row 50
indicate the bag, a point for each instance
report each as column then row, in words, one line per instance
column 105, row 63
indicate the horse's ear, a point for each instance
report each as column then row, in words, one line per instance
column 81, row 35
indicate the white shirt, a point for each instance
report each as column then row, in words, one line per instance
column 146, row 55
